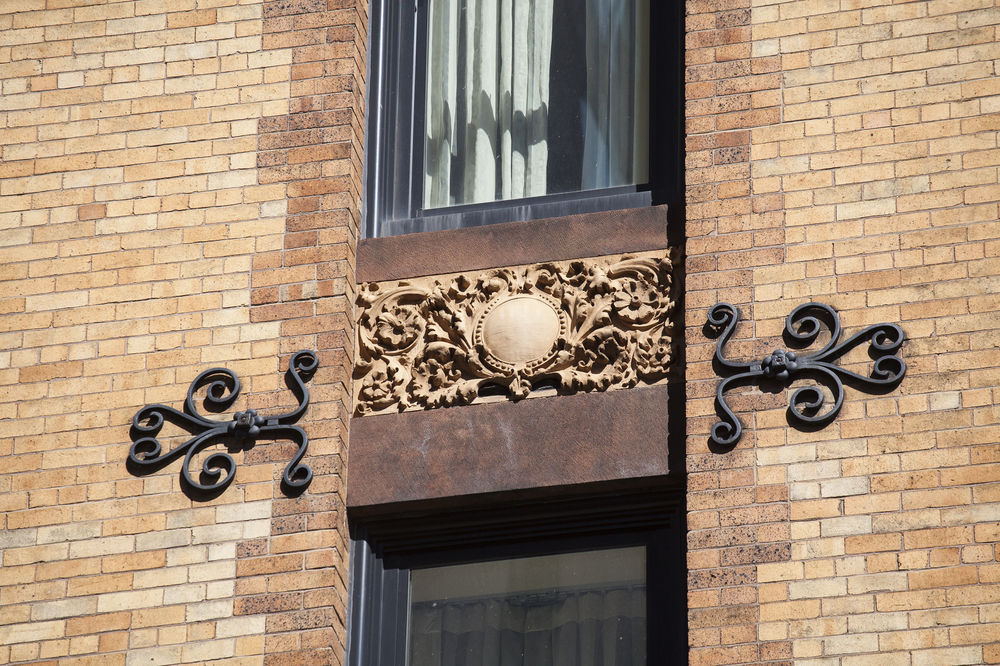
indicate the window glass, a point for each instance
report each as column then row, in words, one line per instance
column 526, row 98
column 571, row 609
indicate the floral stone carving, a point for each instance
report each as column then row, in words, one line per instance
column 584, row 325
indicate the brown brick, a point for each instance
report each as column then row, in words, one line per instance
column 271, row 564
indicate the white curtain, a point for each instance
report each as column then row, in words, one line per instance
column 617, row 100
column 489, row 86
column 487, row 100
column 587, row 628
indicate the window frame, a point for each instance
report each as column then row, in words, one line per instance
column 386, row 548
column 393, row 182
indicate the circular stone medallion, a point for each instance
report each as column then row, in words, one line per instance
column 521, row 329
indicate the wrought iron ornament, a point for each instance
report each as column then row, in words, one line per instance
column 242, row 431
column 802, row 327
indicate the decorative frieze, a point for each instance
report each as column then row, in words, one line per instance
column 582, row 325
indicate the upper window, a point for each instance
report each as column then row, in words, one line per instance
column 496, row 110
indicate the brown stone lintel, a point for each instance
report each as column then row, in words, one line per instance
column 505, row 446
column 512, row 244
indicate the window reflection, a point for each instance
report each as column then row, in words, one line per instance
column 571, row 609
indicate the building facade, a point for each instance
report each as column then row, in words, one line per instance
column 182, row 187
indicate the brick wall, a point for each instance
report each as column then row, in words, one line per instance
column 163, row 211
column 180, row 190
column 848, row 157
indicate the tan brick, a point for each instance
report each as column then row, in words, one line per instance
column 790, row 610
column 33, row 631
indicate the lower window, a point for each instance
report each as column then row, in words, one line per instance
column 595, row 581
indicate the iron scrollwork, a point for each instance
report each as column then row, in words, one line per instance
column 802, row 328
column 241, row 432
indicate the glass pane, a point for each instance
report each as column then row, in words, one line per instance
column 571, row 609
column 532, row 97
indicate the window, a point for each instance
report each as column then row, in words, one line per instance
column 595, row 581
column 485, row 111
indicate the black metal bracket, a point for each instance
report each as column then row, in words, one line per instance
column 241, row 432
column 802, row 327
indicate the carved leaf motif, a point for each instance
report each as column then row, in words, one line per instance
column 420, row 345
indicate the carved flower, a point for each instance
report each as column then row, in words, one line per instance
column 493, row 284
column 654, row 355
column 439, row 374
column 605, row 345
column 598, row 281
column 636, row 302
column 367, row 294
column 437, row 369
column 399, row 328
column 378, row 390
column 461, row 284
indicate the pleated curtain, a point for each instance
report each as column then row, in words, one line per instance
column 615, row 136
column 488, row 95
column 488, row 85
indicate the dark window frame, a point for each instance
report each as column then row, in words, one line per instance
column 395, row 119
column 386, row 546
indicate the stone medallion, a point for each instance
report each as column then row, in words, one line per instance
column 520, row 330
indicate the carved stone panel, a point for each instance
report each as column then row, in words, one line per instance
column 583, row 325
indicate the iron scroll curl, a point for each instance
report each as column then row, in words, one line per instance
column 802, row 328
column 246, row 427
